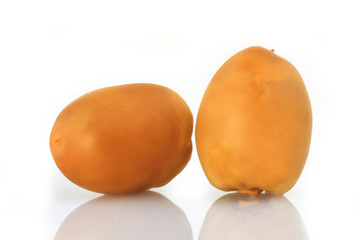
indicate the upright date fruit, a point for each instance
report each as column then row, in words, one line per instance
column 254, row 124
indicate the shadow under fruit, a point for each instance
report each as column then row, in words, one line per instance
column 240, row 216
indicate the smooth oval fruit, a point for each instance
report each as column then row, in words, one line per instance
column 254, row 124
column 123, row 139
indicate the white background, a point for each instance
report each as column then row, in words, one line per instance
column 52, row 52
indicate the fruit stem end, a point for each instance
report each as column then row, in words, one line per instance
column 252, row 192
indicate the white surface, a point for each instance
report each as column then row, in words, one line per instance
column 51, row 52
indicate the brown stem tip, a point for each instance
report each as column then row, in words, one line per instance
column 252, row 192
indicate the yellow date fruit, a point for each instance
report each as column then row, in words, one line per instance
column 123, row 139
column 254, row 124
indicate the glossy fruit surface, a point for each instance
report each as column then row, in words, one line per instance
column 254, row 124
column 123, row 139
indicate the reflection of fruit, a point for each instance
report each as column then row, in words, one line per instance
column 123, row 139
column 145, row 215
column 254, row 124
column 240, row 216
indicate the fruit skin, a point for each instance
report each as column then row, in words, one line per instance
column 123, row 139
column 254, row 124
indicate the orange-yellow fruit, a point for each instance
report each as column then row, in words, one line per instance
column 123, row 139
column 254, row 124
